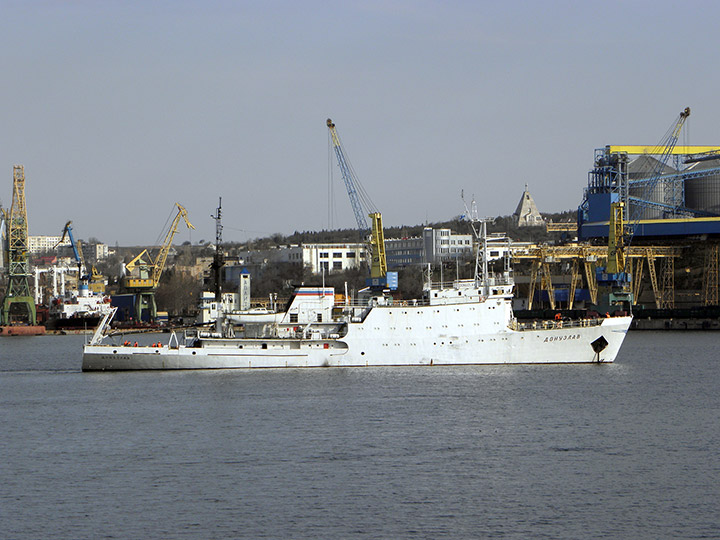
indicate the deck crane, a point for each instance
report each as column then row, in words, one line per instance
column 362, row 205
column 143, row 272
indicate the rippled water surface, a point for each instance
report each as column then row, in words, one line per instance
column 629, row 450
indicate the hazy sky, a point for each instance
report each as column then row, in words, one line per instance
column 118, row 109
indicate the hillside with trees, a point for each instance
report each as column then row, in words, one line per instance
column 458, row 225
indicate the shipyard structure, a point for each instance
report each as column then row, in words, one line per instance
column 667, row 190
column 668, row 196
column 676, row 199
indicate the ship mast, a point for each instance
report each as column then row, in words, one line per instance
column 218, row 261
column 217, row 264
column 483, row 237
column 481, row 254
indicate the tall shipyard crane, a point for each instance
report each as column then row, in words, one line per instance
column 143, row 272
column 18, row 306
column 363, row 206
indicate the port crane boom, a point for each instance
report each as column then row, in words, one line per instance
column 352, row 184
column 144, row 277
column 664, row 150
column 159, row 263
column 362, row 207
column 76, row 247
column 153, row 268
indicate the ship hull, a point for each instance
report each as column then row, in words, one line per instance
column 73, row 323
column 33, row 330
column 396, row 346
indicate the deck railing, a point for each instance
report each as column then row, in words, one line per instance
column 543, row 324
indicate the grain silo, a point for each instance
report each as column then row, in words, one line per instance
column 642, row 168
column 702, row 191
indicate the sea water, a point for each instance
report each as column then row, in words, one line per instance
column 623, row 450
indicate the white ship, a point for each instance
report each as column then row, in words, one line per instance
column 462, row 322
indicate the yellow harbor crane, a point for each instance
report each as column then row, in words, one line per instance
column 143, row 271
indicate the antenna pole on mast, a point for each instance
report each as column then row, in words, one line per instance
column 218, row 262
